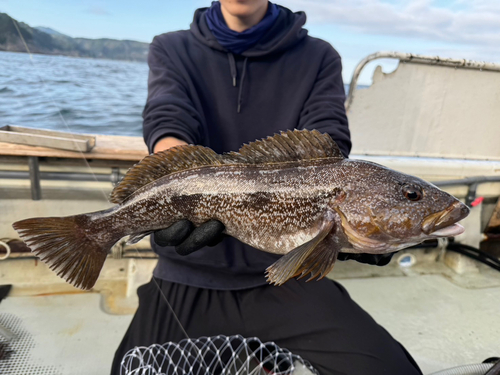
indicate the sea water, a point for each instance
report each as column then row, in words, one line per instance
column 72, row 94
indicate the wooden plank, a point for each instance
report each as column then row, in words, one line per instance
column 108, row 147
column 55, row 133
column 47, row 141
column 46, row 138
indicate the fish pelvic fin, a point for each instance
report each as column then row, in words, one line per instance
column 316, row 257
column 62, row 243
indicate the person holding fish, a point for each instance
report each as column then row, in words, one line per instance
column 273, row 211
column 245, row 70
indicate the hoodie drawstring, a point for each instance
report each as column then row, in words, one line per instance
column 233, row 71
column 232, row 67
column 240, row 99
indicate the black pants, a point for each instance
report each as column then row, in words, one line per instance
column 316, row 320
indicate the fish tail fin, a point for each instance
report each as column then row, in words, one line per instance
column 63, row 244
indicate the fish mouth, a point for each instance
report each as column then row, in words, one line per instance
column 449, row 231
column 444, row 223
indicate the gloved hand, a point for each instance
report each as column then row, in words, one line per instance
column 373, row 259
column 188, row 239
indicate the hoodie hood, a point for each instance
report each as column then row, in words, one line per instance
column 286, row 32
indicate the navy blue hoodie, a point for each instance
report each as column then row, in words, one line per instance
column 202, row 94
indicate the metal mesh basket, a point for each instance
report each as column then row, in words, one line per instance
column 224, row 355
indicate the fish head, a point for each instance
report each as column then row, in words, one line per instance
column 383, row 210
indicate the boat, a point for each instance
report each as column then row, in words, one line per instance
column 433, row 117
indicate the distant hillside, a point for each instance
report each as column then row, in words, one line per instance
column 50, row 42
column 48, row 30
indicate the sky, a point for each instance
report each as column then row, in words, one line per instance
column 356, row 28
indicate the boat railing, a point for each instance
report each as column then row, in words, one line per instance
column 416, row 59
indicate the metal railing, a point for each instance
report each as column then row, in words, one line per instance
column 417, row 59
column 35, row 175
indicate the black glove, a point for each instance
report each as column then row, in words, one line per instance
column 373, row 259
column 188, row 239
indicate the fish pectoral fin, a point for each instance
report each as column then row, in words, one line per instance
column 321, row 260
column 304, row 259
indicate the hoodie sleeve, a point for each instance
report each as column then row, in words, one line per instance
column 324, row 108
column 169, row 110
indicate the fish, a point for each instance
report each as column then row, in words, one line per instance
column 292, row 194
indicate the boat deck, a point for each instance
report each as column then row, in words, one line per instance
column 442, row 318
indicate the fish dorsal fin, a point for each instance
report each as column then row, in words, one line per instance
column 163, row 163
column 287, row 146
column 292, row 145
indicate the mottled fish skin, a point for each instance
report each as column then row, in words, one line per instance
column 275, row 208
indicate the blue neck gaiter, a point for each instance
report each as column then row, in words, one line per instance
column 234, row 41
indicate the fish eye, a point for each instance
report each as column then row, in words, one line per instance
column 412, row 193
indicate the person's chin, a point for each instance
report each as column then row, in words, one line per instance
column 244, row 8
column 242, row 11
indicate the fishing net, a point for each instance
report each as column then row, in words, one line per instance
column 224, row 355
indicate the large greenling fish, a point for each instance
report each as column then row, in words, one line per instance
column 292, row 194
